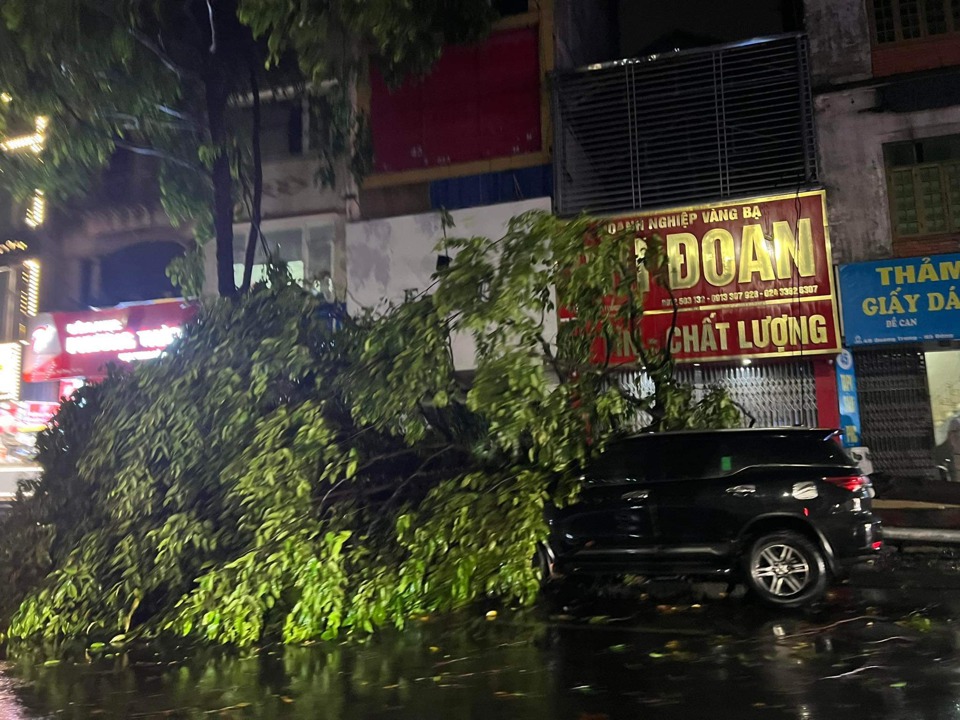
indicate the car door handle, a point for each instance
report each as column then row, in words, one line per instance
column 636, row 495
column 742, row 490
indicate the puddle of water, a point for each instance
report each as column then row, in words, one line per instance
column 671, row 655
column 716, row 659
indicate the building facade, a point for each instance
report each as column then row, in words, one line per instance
column 636, row 113
column 23, row 239
column 473, row 139
column 303, row 222
column 887, row 83
column 706, row 139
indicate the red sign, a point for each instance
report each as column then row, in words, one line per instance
column 478, row 102
column 752, row 278
column 81, row 344
column 27, row 417
column 69, row 386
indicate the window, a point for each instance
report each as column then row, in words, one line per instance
column 306, row 248
column 626, row 460
column 924, row 186
column 510, row 7
column 281, row 129
column 897, row 20
column 791, row 448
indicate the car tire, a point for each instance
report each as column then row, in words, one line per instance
column 785, row 569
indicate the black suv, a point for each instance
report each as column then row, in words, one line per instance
column 782, row 510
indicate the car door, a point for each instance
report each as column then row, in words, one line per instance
column 701, row 499
column 611, row 522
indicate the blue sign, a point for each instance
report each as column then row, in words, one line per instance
column 905, row 300
column 847, row 400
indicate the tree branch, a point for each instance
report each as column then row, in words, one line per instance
column 164, row 58
column 126, row 144
column 179, row 115
column 153, row 152
column 420, row 471
column 256, row 201
column 213, row 29
column 545, row 346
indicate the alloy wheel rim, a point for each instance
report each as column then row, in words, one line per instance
column 782, row 570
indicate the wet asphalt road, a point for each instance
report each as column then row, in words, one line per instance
column 669, row 651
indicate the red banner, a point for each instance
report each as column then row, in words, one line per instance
column 752, row 278
column 477, row 102
column 81, row 344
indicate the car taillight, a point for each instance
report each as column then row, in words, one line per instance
column 853, row 483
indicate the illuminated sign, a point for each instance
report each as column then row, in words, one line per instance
column 69, row 345
column 99, row 336
column 32, row 143
column 10, row 370
column 69, row 386
column 907, row 300
column 12, row 246
column 752, row 278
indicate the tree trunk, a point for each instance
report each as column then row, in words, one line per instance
column 222, row 184
column 257, row 199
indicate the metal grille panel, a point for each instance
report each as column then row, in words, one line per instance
column 769, row 394
column 895, row 411
column 717, row 123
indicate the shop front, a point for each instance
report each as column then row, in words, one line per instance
column 901, row 319
column 63, row 351
column 756, row 310
column 66, row 349
column 20, row 421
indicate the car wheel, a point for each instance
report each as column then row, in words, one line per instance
column 785, row 569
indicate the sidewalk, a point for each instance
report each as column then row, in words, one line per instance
column 917, row 521
column 917, row 510
column 921, row 534
column 922, row 547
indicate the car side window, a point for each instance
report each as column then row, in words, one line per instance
column 688, row 457
column 772, row 449
column 623, row 461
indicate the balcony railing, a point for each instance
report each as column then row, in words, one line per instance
column 708, row 124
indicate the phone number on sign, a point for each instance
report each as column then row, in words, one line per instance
column 791, row 291
column 744, row 295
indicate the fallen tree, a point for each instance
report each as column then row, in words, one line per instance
column 278, row 475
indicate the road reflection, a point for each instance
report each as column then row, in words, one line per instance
column 620, row 657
